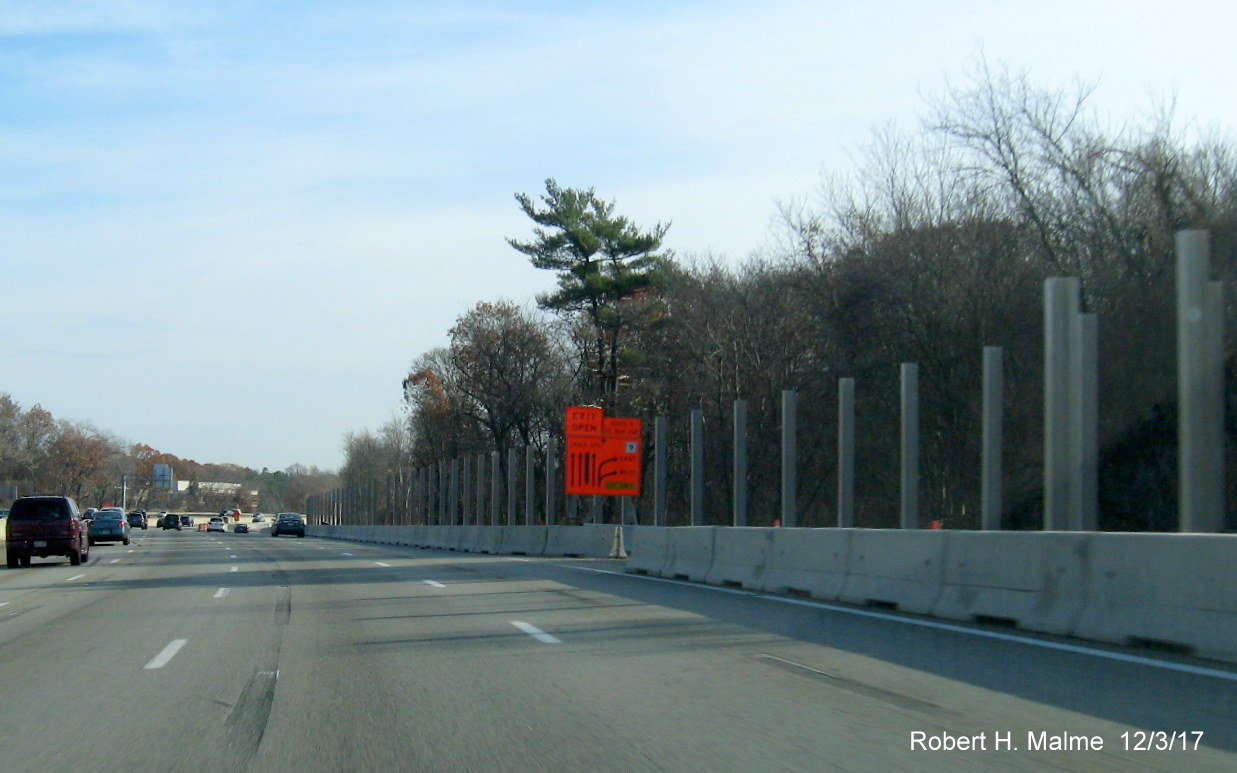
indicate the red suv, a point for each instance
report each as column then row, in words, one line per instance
column 46, row 526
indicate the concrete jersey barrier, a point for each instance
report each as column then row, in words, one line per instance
column 1172, row 590
column 741, row 557
column 902, row 569
column 813, row 562
column 1036, row 580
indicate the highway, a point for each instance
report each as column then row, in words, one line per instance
column 193, row 651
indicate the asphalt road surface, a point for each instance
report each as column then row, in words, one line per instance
column 189, row 651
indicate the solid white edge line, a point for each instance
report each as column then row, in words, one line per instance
column 169, row 652
column 536, row 633
column 1139, row 660
column 221, row 593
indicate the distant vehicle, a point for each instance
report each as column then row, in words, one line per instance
column 89, row 512
column 109, row 525
column 241, row 528
column 138, row 519
column 216, row 524
column 288, row 523
column 45, row 526
column 259, row 518
column 170, row 521
column 186, row 520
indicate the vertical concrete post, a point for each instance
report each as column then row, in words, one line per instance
column 453, row 501
column 1061, row 296
column 739, row 498
column 992, row 463
column 441, row 492
column 466, row 488
column 551, row 458
column 697, row 471
column 1084, row 406
column 659, row 471
column 414, row 494
column 910, row 446
column 480, row 484
column 846, row 453
column 444, row 503
column 1200, row 385
column 427, row 501
column 512, row 461
column 790, row 458
column 1215, row 343
column 530, row 482
column 495, row 482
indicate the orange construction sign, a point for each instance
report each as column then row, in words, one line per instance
column 604, row 456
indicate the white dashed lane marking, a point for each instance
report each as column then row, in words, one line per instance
column 536, row 633
column 169, row 652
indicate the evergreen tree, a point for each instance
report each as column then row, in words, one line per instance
column 602, row 259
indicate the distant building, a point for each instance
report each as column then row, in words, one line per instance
column 208, row 488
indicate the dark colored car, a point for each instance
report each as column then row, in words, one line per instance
column 45, row 526
column 186, row 520
column 288, row 523
column 109, row 526
column 138, row 519
column 170, row 521
column 241, row 528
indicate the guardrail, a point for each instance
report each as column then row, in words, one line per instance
column 1175, row 592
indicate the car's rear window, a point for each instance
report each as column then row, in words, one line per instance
column 39, row 510
column 108, row 516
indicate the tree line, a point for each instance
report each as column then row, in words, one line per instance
column 40, row 454
column 937, row 246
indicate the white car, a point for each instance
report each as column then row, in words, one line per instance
column 216, row 524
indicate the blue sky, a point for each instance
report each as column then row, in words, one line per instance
column 229, row 227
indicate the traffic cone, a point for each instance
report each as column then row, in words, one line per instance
column 617, row 550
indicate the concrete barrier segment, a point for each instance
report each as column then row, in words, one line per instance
column 1035, row 580
column 648, row 549
column 525, row 540
column 899, row 568
column 1171, row 591
column 741, row 556
column 808, row 561
column 590, row 540
column 691, row 552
